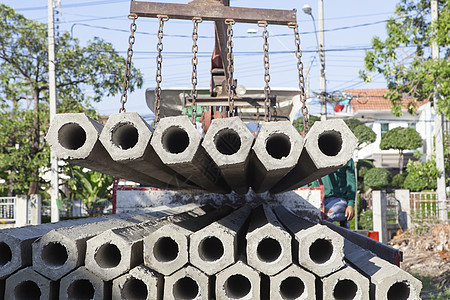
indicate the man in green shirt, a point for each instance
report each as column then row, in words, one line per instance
column 340, row 191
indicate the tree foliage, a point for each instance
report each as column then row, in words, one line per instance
column 404, row 58
column 377, row 178
column 89, row 186
column 400, row 138
column 421, row 176
column 83, row 74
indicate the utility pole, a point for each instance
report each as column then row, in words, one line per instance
column 52, row 95
column 323, row 104
column 439, row 140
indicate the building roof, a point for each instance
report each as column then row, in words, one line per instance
column 371, row 99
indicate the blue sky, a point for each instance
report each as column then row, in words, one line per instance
column 349, row 28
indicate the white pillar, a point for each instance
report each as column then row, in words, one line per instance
column 403, row 197
column 379, row 215
column 35, row 201
column 21, row 210
column 52, row 99
column 76, row 207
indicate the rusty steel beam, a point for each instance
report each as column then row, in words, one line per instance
column 213, row 11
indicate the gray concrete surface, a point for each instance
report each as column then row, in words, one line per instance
column 138, row 283
column 329, row 145
column 276, row 151
column 116, row 251
column 228, row 142
column 60, row 251
column 318, row 248
column 238, row 281
column 82, row 284
column 346, row 283
column 219, row 244
column 74, row 137
column 387, row 280
column 178, row 145
column 16, row 243
column 293, row 283
column 166, row 249
column 126, row 137
column 27, row 284
column 187, row 283
column 268, row 243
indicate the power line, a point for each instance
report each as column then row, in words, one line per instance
column 92, row 3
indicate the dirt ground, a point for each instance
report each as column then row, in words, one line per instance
column 426, row 255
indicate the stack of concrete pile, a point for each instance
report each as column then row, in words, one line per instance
column 229, row 157
column 194, row 252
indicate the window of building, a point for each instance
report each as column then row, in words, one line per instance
column 384, row 128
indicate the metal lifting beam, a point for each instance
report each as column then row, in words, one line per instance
column 212, row 10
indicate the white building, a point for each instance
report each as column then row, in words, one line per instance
column 371, row 107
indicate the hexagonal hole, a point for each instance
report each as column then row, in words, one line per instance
column 278, row 145
column 81, row 289
column 71, row 136
column 227, row 141
column 124, row 136
column 330, row 142
column 175, row 140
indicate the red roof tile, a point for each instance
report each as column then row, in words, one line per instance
column 371, row 99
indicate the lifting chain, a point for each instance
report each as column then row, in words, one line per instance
column 159, row 47
column 230, row 69
column 267, row 112
column 126, row 79
column 301, row 81
column 194, row 93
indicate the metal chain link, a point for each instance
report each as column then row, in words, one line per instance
column 265, row 35
column 159, row 59
column 301, row 80
column 126, row 79
column 230, row 69
column 194, row 93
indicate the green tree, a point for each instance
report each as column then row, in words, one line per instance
column 89, row 186
column 377, row 178
column 84, row 74
column 364, row 134
column 401, row 139
column 404, row 58
column 421, row 175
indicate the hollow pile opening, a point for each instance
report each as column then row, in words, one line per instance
column 268, row 250
column 227, row 141
column 175, row 140
column 108, row 256
column 330, row 142
column 211, row 249
column 237, row 286
column 27, row 290
column 124, row 136
column 80, row 290
column 345, row 289
column 320, row 251
column 398, row 291
column 292, row 288
column 185, row 288
column 5, row 254
column 71, row 136
column 134, row 289
column 165, row 249
column 278, row 145
column 54, row 255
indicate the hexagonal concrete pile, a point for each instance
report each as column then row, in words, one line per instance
column 196, row 252
column 174, row 156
